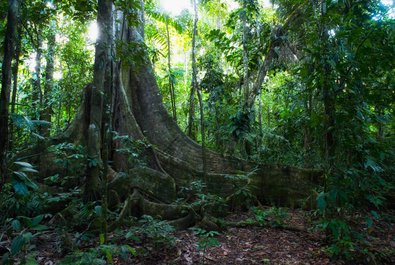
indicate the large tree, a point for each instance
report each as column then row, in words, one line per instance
column 172, row 158
column 9, row 49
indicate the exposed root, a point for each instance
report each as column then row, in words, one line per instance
column 248, row 223
column 179, row 216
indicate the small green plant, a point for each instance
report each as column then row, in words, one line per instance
column 132, row 148
column 19, row 195
column 273, row 216
column 29, row 128
column 211, row 203
column 103, row 254
column 20, row 178
column 155, row 231
column 190, row 192
column 242, row 195
column 197, row 197
column 206, row 239
column 22, row 230
column 72, row 159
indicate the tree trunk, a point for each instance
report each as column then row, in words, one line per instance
column 246, row 74
column 327, row 94
column 15, row 86
column 203, row 133
column 191, row 113
column 9, row 49
column 37, row 92
column 99, row 91
column 49, row 82
column 260, row 120
column 307, row 129
column 169, row 72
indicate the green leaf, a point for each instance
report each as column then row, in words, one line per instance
column 98, row 210
column 17, row 244
column 27, row 236
column 38, row 136
column 212, row 233
column 16, row 225
column 132, row 250
column 30, row 260
column 102, row 238
column 40, row 227
column 36, row 220
column 23, row 164
column 376, row 200
column 108, row 255
column 28, row 169
column 369, row 222
column 370, row 163
column 375, row 214
column 22, row 175
column 321, row 202
column 6, row 259
column 26, row 180
column 20, row 188
column 92, row 162
column 131, row 235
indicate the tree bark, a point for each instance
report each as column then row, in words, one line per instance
column 191, row 113
column 37, row 95
column 308, row 104
column 49, row 81
column 329, row 99
column 15, row 86
column 9, row 49
column 246, row 73
column 169, row 70
column 101, row 81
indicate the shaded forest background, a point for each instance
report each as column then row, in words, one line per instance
column 292, row 88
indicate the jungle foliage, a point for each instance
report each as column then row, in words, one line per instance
column 307, row 84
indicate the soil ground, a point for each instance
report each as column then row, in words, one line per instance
column 297, row 244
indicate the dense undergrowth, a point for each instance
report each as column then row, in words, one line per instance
column 31, row 207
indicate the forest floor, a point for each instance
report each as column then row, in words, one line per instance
column 293, row 243
column 299, row 243
column 256, row 245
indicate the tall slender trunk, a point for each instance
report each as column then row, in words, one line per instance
column 99, row 92
column 259, row 94
column 307, row 129
column 246, row 109
column 37, row 92
column 246, row 75
column 202, row 131
column 171, row 81
column 194, row 87
column 15, row 85
column 260, row 119
column 329, row 106
column 49, row 82
column 58, row 116
column 328, row 95
column 9, row 48
column 380, row 125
